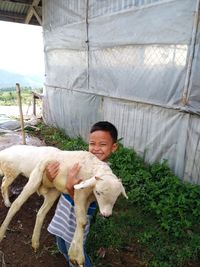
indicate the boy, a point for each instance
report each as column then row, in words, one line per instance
column 102, row 143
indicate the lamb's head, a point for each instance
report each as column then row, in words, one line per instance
column 106, row 190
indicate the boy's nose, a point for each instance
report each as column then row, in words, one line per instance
column 96, row 148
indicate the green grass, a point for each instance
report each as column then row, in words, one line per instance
column 161, row 217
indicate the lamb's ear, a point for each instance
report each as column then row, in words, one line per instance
column 87, row 183
column 124, row 192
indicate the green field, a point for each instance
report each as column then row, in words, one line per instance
column 8, row 96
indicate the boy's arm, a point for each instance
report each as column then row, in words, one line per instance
column 52, row 171
column 72, row 179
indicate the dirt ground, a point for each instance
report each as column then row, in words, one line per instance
column 16, row 250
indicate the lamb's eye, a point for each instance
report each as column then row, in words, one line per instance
column 98, row 193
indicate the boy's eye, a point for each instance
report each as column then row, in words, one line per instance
column 91, row 144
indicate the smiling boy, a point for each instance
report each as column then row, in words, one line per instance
column 102, row 143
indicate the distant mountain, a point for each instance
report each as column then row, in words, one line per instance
column 9, row 79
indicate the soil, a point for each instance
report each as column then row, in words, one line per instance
column 16, row 250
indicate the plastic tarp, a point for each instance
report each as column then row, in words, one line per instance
column 127, row 61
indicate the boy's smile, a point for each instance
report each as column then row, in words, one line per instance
column 101, row 144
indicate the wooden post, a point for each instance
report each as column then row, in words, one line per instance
column 34, row 104
column 21, row 113
column 36, row 96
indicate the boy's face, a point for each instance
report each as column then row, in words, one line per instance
column 101, row 144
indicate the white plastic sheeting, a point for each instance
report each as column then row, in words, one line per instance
column 161, row 23
column 136, row 73
column 129, row 62
column 72, row 111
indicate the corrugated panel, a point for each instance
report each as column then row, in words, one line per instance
column 82, row 110
column 106, row 7
column 18, row 8
column 154, row 132
column 59, row 13
column 17, row 11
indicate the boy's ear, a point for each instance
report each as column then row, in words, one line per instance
column 114, row 147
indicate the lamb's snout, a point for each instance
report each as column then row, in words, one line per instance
column 106, row 214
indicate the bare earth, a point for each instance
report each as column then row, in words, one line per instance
column 15, row 248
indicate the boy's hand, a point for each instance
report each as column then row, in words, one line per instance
column 72, row 179
column 52, row 170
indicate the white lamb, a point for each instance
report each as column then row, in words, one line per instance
column 98, row 182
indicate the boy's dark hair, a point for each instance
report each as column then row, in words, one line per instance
column 107, row 127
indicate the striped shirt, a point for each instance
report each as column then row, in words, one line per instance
column 63, row 223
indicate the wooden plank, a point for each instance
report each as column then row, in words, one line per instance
column 30, row 12
column 37, row 16
column 15, row 17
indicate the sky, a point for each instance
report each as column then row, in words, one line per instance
column 21, row 48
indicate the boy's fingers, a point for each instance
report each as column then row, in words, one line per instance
column 56, row 164
column 55, row 171
column 52, row 170
column 53, row 165
column 79, row 180
column 78, row 167
column 75, row 168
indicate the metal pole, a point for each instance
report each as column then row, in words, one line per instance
column 18, row 90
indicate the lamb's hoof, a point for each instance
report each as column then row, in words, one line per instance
column 35, row 246
column 78, row 262
column 76, row 256
column 7, row 203
column 75, row 263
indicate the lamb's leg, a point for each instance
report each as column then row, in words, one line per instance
column 49, row 199
column 76, row 253
column 31, row 187
column 4, row 191
column 9, row 176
